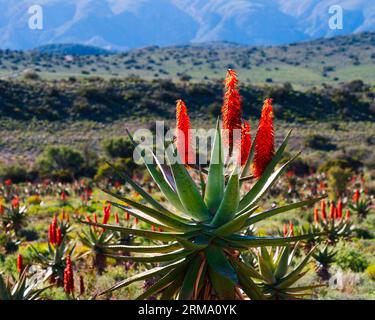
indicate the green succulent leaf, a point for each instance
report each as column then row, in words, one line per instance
column 187, row 190
column 163, row 184
column 153, row 235
column 144, row 275
column 170, row 256
column 264, row 180
column 274, row 211
column 144, row 249
column 187, row 289
column 230, row 201
column 283, row 263
column 215, row 180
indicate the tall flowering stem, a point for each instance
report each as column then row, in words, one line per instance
column 245, row 142
column 183, row 136
column 19, row 263
column 264, row 141
column 68, row 276
column 231, row 110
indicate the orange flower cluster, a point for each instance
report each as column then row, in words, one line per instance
column 335, row 212
column 54, row 233
column 15, row 202
column 107, row 213
column 231, row 109
column 289, row 232
column 183, row 136
column 68, row 276
column 264, row 140
column 19, row 263
column 245, row 142
column 232, row 120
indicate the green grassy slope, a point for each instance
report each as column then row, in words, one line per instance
column 306, row 64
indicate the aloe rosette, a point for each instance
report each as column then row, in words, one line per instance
column 198, row 253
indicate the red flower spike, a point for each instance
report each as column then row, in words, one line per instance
column 95, row 217
column 183, row 136
column 285, row 230
column 323, row 210
column 107, row 213
column 291, row 227
column 68, row 276
column 58, row 236
column 19, row 263
column 264, row 140
column 117, row 220
column 316, row 215
column 356, row 196
column 15, row 202
column 136, row 220
column 331, row 210
column 127, row 216
column 231, row 110
column 347, row 216
column 153, row 228
column 245, row 142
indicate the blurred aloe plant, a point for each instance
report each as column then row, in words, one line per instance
column 24, row 288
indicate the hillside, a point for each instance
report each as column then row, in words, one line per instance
column 130, row 98
column 305, row 64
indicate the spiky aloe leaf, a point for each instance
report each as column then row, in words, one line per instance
column 253, row 241
column 283, row 263
column 187, row 190
column 166, row 257
column 295, row 275
column 163, row 185
column 144, row 275
column 259, row 185
column 234, row 225
column 168, row 280
column 169, row 220
column 215, row 180
column 270, row 213
column 246, row 269
column 164, row 248
column 140, row 190
column 218, row 262
column 153, row 235
column 188, row 285
column 230, row 201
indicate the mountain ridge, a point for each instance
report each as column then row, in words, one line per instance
column 127, row 24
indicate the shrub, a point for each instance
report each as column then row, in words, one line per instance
column 319, row 142
column 351, row 259
column 370, row 271
column 15, row 172
column 105, row 171
column 338, row 180
column 59, row 162
column 118, row 147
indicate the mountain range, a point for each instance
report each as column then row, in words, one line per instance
column 127, row 24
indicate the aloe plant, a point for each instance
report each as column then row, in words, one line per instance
column 24, row 288
column 196, row 256
column 279, row 280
